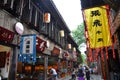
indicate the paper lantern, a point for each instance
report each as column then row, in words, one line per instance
column 74, row 49
column 47, row 17
column 62, row 33
column 69, row 46
column 28, row 68
column 19, row 28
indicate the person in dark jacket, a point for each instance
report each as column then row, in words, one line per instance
column 73, row 75
column 80, row 74
column 87, row 73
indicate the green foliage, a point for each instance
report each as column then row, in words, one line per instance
column 83, row 56
column 78, row 34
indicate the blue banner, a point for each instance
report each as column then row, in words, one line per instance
column 27, row 48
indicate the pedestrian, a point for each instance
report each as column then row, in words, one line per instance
column 87, row 71
column 73, row 75
column 53, row 73
column 80, row 74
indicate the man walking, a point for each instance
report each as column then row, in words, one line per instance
column 53, row 74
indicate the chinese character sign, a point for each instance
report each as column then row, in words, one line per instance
column 28, row 48
column 97, row 26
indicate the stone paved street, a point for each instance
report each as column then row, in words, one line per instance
column 93, row 77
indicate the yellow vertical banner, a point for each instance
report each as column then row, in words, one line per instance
column 96, row 20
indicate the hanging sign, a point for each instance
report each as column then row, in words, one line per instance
column 40, row 44
column 28, row 48
column 6, row 35
column 55, row 51
column 98, row 27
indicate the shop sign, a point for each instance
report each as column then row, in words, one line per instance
column 55, row 51
column 28, row 48
column 40, row 44
column 6, row 35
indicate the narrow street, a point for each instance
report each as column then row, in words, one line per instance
column 95, row 77
column 39, row 41
column 92, row 77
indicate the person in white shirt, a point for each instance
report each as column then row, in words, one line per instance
column 53, row 74
column 74, row 74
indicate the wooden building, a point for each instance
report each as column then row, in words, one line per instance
column 21, row 19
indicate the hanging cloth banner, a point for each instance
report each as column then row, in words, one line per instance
column 27, row 48
column 96, row 20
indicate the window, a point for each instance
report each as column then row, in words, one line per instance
column 53, row 33
column 33, row 16
column 9, row 4
column 56, row 36
column 12, row 6
column 50, row 30
column 26, row 10
column 17, row 7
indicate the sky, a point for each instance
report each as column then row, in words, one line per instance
column 70, row 10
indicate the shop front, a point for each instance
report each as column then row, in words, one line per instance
column 6, row 52
column 32, row 71
column 32, row 66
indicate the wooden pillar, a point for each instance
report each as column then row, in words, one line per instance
column 45, row 67
column 13, row 65
column 99, row 65
column 59, row 67
column 106, row 68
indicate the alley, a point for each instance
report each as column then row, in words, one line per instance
column 95, row 77
column 37, row 44
column 92, row 77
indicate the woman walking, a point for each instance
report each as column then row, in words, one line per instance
column 80, row 74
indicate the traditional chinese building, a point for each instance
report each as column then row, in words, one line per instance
column 33, row 38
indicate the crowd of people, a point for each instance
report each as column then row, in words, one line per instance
column 80, row 73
